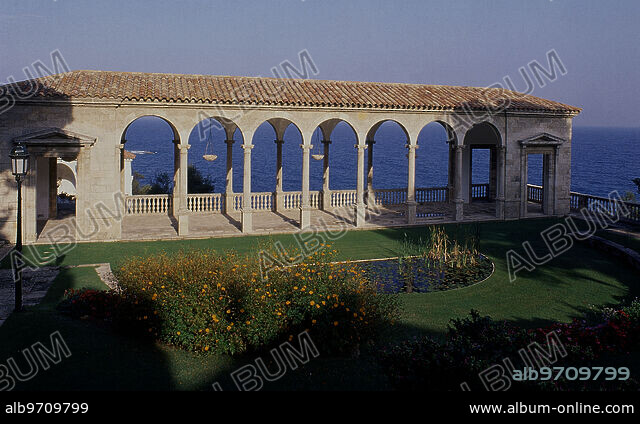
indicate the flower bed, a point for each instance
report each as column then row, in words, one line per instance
column 476, row 343
column 208, row 301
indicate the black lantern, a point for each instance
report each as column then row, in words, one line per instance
column 19, row 160
column 19, row 168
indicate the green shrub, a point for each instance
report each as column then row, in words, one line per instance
column 210, row 301
column 475, row 343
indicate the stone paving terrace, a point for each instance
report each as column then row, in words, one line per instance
column 163, row 226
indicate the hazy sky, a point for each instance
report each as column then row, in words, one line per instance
column 456, row 42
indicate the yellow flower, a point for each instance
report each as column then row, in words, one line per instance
column 312, row 303
column 178, row 333
column 335, row 323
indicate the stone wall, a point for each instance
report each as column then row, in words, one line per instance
column 99, row 206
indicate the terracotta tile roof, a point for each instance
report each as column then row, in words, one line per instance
column 176, row 88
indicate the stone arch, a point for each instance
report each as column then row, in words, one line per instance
column 219, row 136
column 332, row 153
column 176, row 141
column 430, row 157
column 279, row 160
column 176, row 134
column 481, row 143
column 375, row 127
column 65, row 172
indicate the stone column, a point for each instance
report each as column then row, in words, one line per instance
column 305, row 208
column 175, row 195
column 84, row 224
column 228, row 191
column 411, row 184
column 360, row 207
column 53, row 188
column 458, row 200
column 120, row 164
column 279, row 193
column 523, row 182
column 326, row 190
column 29, row 195
column 546, row 182
column 470, row 176
column 370, row 196
column 451, row 177
column 492, row 191
column 500, row 175
column 554, row 181
column 247, row 222
column 183, row 191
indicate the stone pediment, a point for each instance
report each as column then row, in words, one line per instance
column 56, row 137
column 542, row 139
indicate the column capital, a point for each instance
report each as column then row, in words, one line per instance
column 278, row 141
column 459, row 147
column 184, row 147
column 306, row 147
column 230, row 141
column 247, row 147
column 326, row 141
column 411, row 146
column 360, row 146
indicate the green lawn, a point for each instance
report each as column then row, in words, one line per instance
column 559, row 291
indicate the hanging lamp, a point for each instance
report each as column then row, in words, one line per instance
column 208, row 150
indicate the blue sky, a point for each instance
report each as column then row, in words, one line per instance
column 456, row 42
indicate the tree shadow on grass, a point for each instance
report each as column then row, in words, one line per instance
column 100, row 359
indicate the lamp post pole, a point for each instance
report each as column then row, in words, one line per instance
column 19, row 168
column 18, row 274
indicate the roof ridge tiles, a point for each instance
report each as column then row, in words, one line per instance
column 144, row 86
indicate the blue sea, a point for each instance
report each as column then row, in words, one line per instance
column 603, row 159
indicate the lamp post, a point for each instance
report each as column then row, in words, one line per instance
column 19, row 168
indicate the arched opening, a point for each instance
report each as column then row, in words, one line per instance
column 66, row 176
column 276, row 171
column 149, row 171
column 151, row 143
column 434, row 169
column 387, row 179
column 342, row 157
column 332, row 180
column 215, row 166
column 535, row 183
column 479, row 169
